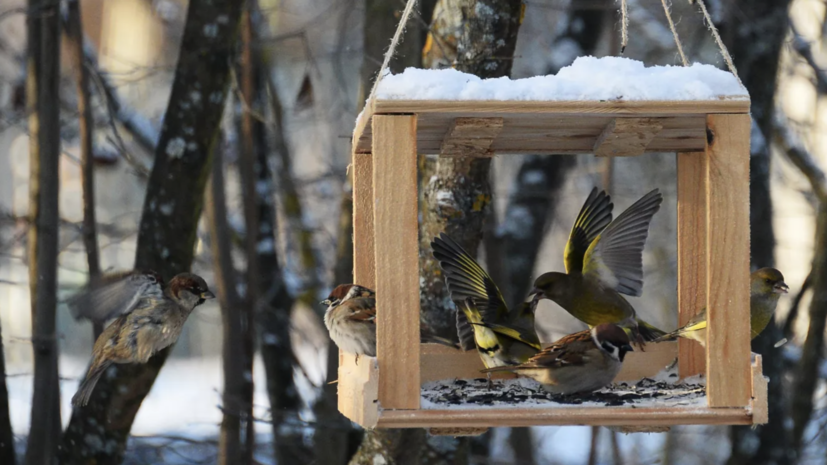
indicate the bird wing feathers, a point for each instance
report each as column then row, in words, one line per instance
column 570, row 350
column 595, row 214
column 113, row 295
column 467, row 279
column 615, row 257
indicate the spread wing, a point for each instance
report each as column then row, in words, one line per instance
column 570, row 350
column 595, row 214
column 616, row 257
column 467, row 279
column 114, row 294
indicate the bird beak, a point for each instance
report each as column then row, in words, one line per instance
column 627, row 348
column 536, row 293
column 781, row 288
column 207, row 295
column 326, row 302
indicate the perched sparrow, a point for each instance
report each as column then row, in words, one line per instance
column 766, row 287
column 351, row 320
column 502, row 336
column 115, row 294
column 152, row 325
column 579, row 362
column 603, row 259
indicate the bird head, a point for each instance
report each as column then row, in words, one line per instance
column 549, row 286
column 190, row 289
column 612, row 339
column 344, row 292
column 768, row 282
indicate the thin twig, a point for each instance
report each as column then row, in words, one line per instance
column 803, row 48
column 674, row 32
column 721, row 46
column 800, row 157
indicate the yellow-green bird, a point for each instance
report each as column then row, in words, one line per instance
column 603, row 260
column 766, row 287
column 502, row 337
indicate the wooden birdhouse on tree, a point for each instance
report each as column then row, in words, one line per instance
column 610, row 107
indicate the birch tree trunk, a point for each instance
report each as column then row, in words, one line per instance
column 172, row 208
column 42, row 94
column 7, row 455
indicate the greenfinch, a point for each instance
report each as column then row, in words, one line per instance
column 766, row 287
column 502, row 337
column 603, row 260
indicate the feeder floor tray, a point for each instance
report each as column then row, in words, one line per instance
column 527, row 393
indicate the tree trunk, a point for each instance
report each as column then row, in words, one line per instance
column 7, row 455
column 754, row 31
column 172, row 207
column 86, row 123
column 232, row 353
column 267, row 292
column 42, row 91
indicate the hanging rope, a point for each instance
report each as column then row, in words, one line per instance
column 674, row 32
column 721, row 46
column 392, row 49
column 624, row 26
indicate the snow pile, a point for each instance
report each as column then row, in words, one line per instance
column 587, row 79
column 661, row 391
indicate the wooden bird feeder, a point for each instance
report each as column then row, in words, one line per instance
column 711, row 139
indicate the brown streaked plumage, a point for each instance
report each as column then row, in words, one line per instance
column 153, row 324
column 114, row 294
column 580, row 362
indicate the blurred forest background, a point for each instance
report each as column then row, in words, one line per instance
column 214, row 135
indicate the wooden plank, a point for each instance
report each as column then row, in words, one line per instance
column 358, row 389
column 396, row 242
column 760, row 411
column 728, row 335
column 692, row 275
column 456, row 432
column 604, row 416
column 548, row 133
column 441, row 362
column 626, row 137
column 471, row 137
column 482, row 108
column 364, row 267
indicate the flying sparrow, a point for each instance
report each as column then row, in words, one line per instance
column 603, row 259
column 115, row 294
column 153, row 324
column 580, row 362
column 501, row 336
column 766, row 287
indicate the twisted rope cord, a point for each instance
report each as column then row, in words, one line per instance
column 721, row 46
column 674, row 32
column 392, row 49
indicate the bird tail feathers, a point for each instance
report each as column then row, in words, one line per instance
column 88, row 385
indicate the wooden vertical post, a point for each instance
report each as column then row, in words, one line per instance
column 396, row 233
column 692, row 273
column 364, row 268
column 728, row 334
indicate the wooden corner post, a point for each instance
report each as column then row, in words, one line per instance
column 729, row 378
column 396, row 256
column 692, row 274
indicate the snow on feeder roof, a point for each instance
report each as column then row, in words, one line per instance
column 587, row 79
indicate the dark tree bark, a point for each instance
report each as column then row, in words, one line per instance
column 42, row 93
column 7, row 455
column 98, row 432
column 232, row 349
column 754, row 31
column 74, row 32
column 267, row 293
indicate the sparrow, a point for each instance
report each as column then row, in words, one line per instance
column 113, row 294
column 603, row 260
column 766, row 287
column 350, row 319
column 501, row 335
column 152, row 324
column 580, row 362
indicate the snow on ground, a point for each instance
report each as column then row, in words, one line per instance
column 587, row 79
